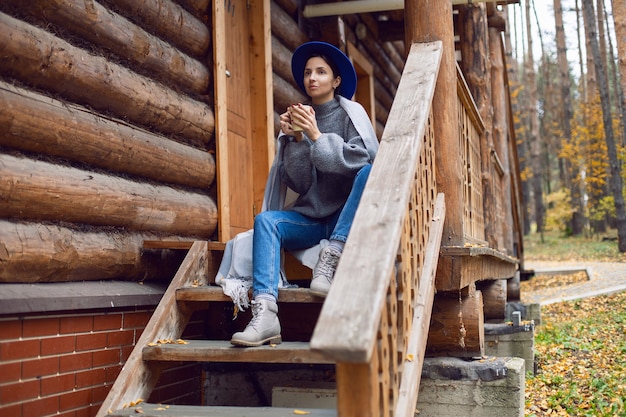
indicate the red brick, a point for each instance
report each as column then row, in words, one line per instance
column 10, row 329
column 19, row 392
column 19, row 349
column 73, row 324
column 58, row 383
column 10, row 410
column 75, row 361
column 90, row 378
column 10, row 372
column 76, row 399
column 40, row 367
column 121, row 338
column 40, row 327
column 112, row 372
column 135, row 320
column 41, row 407
column 91, row 341
column 126, row 350
column 99, row 394
column 107, row 322
column 106, row 357
column 58, row 345
column 88, row 412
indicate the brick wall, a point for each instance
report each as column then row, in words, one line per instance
column 64, row 364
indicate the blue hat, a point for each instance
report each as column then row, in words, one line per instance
column 340, row 60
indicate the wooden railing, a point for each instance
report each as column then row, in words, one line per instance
column 470, row 128
column 375, row 321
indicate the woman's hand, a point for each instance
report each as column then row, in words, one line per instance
column 286, row 127
column 304, row 117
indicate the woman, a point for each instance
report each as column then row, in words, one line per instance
column 327, row 163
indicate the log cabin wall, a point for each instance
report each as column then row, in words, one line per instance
column 106, row 137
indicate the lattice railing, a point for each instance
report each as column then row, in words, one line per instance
column 375, row 320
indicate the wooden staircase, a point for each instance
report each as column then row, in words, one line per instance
column 374, row 323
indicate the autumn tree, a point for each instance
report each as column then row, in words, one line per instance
column 615, row 169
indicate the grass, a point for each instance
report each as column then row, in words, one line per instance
column 581, row 345
column 553, row 246
column 581, row 348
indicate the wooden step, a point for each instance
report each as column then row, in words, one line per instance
column 159, row 410
column 215, row 293
column 223, row 351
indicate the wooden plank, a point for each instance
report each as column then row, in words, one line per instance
column 416, row 348
column 358, row 290
column 137, row 378
column 159, row 410
column 462, row 266
column 223, row 351
column 215, row 293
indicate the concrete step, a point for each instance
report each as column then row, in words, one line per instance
column 215, row 293
column 160, row 410
column 223, row 351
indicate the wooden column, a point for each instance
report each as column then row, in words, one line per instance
column 427, row 21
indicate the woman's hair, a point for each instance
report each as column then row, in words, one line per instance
column 330, row 63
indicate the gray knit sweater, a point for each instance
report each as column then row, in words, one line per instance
column 322, row 172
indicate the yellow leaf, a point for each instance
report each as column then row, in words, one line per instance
column 301, row 412
column 410, row 357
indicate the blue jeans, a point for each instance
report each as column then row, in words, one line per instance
column 287, row 229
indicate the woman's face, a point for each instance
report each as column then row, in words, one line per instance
column 319, row 81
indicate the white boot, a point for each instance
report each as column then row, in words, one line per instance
column 263, row 328
column 324, row 271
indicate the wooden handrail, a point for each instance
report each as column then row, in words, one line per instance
column 366, row 320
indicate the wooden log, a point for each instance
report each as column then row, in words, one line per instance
column 457, row 326
column 199, row 8
column 144, row 52
column 36, row 123
column 34, row 252
column 169, row 21
column 285, row 94
column 36, row 190
column 38, row 58
column 281, row 62
column 494, row 298
column 288, row 6
column 513, row 288
column 285, row 28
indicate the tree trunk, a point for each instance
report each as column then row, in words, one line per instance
column 535, row 144
column 619, row 19
column 566, row 117
column 616, row 178
column 33, row 122
column 36, row 190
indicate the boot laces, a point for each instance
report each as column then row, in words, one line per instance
column 257, row 312
column 328, row 264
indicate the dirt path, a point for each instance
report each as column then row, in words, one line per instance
column 604, row 278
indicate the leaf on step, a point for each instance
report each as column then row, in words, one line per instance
column 410, row 357
column 138, row 411
column 181, row 342
column 136, row 402
column 301, row 412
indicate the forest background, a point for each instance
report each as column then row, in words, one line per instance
column 565, row 69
